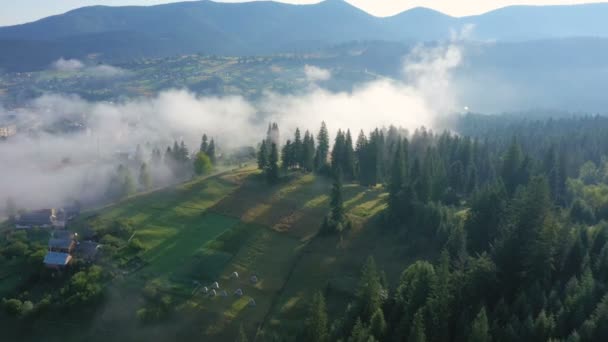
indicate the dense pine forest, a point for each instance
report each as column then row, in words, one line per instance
column 517, row 208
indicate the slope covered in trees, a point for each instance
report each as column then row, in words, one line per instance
column 495, row 233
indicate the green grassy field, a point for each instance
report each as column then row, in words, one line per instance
column 204, row 230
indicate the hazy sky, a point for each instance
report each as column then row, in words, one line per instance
column 20, row 11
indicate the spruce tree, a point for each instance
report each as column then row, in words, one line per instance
column 308, row 152
column 396, row 184
column 145, row 181
column 337, row 154
column 349, row 157
column 242, row 336
column 316, row 324
column 322, row 149
column 286, row 154
column 361, row 156
column 480, row 331
column 204, row 144
column 272, row 170
column 211, row 151
column 298, row 149
column 417, row 333
column 369, row 291
column 263, row 156
column 128, row 184
column 337, row 203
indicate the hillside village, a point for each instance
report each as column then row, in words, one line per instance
column 63, row 245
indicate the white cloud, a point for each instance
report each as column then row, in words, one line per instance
column 315, row 74
column 33, row 170
column 105, row 71
column 97, row 71
column 67, row 64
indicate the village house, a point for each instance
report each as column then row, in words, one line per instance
column 57, row 260
column 87, row 250
column 47, row 218
column 44, row 218
column 61, row 244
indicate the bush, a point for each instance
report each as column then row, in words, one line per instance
column 12, row 306
column 202, row 164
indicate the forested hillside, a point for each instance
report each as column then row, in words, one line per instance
column 516, row 209
column 495, row 231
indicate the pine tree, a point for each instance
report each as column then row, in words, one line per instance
column 439, row 303
column 156, row 158
column 377, row 325
column 317, row 322
column 128, row 185
column 322, row 149
column 176, row 152
column 263, row 156
column 298, row 149
column 204, row 144
column 362, row 164
column 337, row 154
column 337, row 203
column 211, row 151
column 417, row 333
column 168, row 158
column 349, row 157
column 11, row 208
column 145, row 182
column 396, row 184
column 480, row 331
column 511, row 167
column 369, row 291
column 308, row 152
column 183, row 152
column 272, row 170
column 286, row 154
column 242, row 336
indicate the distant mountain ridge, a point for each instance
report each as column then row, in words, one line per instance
column 266, row 27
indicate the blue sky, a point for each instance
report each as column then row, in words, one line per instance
column 20, row 11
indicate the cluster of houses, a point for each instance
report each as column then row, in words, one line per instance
column 63, row 244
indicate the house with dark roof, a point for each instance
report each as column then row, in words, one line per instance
column 44, row 218
column 64, row 234
column 87, row 250
column 57, row 259
column 61, row 245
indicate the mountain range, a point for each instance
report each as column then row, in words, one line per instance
column 266, row 27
